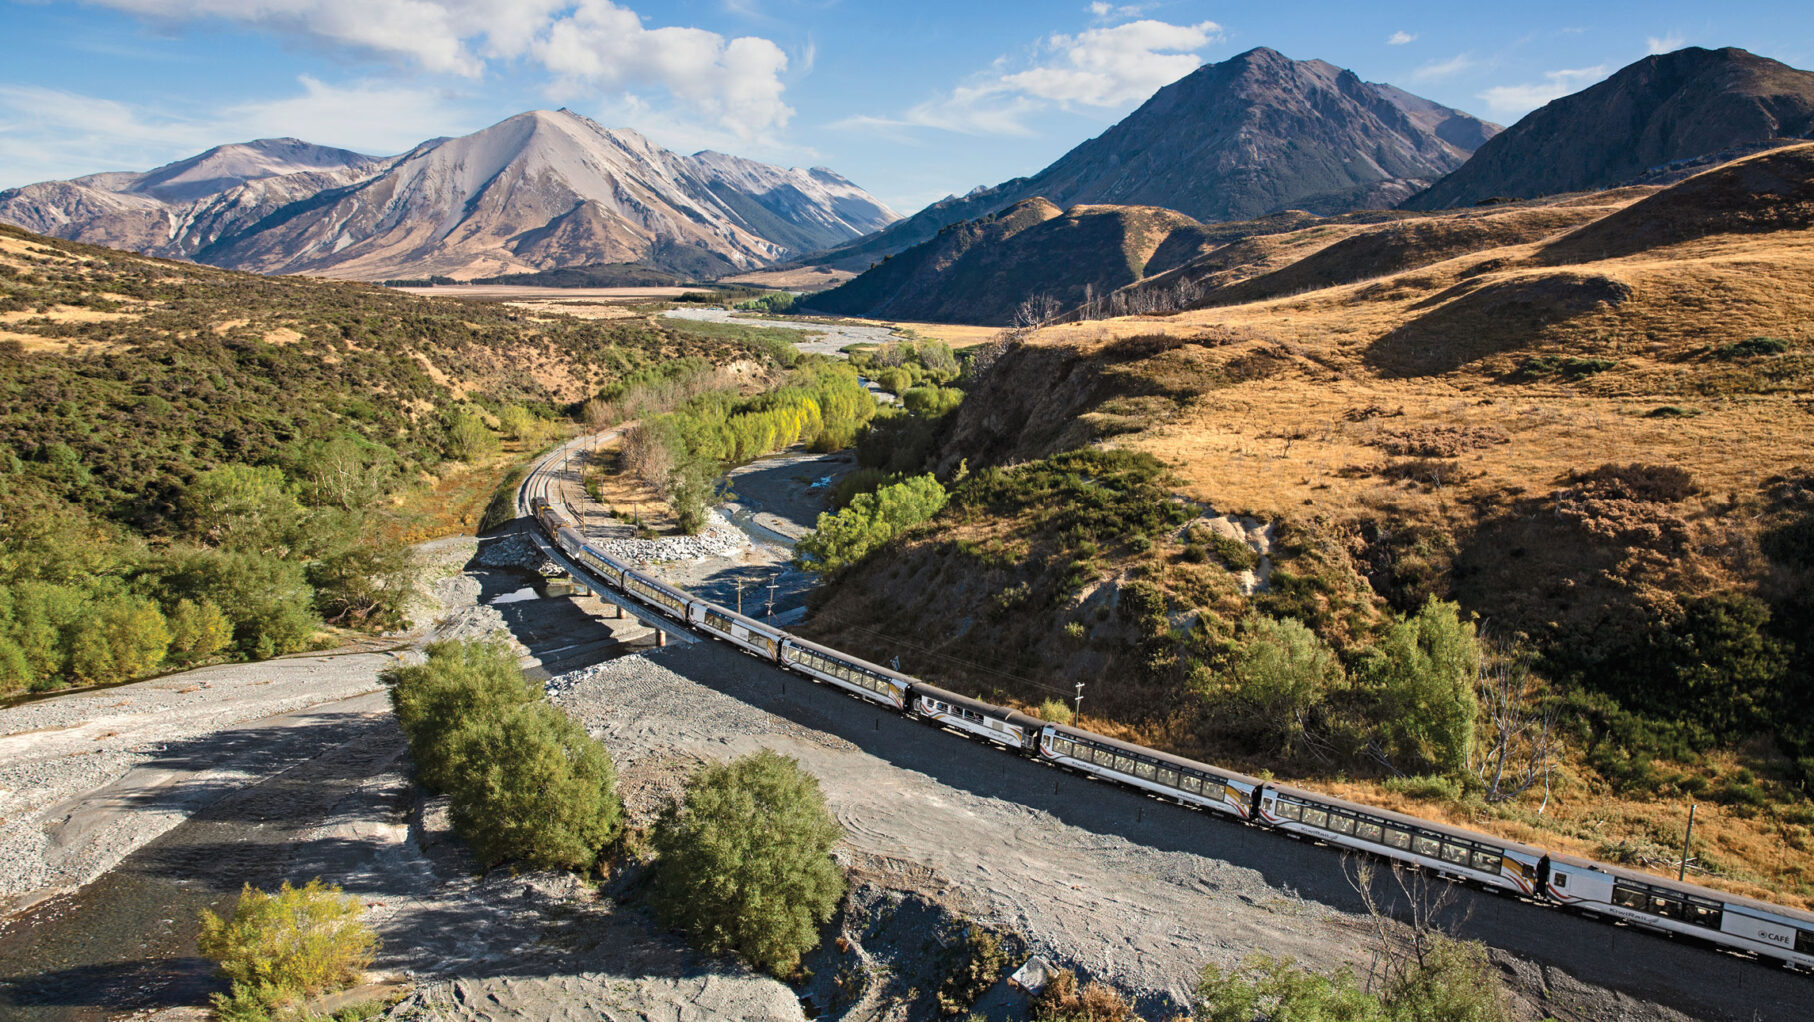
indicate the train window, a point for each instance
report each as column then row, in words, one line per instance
column 1191, row 783
column 1804, row 942
column 1143, row 769
column 1487, row 862
column 1701, row 914
column 1399, row 839
column 1063, row 746
column 1316, row 817
column 1124, row 764
column 1455, row 854
column 1559, row 880
column 1168, row 777
column 1627, row 897
column 1423, row 844
column 1668, row 908
column 1368, row 831
column 1213, row 788
column 1287, row 810
column 1341, row 824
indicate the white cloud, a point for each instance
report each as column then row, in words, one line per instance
column 1444, row 68
column 736, row 82
column 1401, row 37
column 595, row 43
column 48, row 134
column 1520, row 99
column 1667, row 42
column 1098, row 67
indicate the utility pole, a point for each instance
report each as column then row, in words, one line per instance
column 1687, row 837
column 1077, row 717
column 740, row 581
column 772, row 586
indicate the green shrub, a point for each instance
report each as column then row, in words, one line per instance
column 1422, row 671
column 745, row 861
column 1751, row 347
column 459, row 685
column 932, row 402
column 1426, row 786
column 870, row 520
column 279, row 949
column 1056, row 711
column 894, row 380
column 1451, row 981
column 198, row 630
column 530, row 786
column 527, row 783
column 1282, row 672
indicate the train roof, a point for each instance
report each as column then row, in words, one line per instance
column 1405, row 820
column 1799, row 916
column 837, row 654
column 1012, row 716
column 1163, row 757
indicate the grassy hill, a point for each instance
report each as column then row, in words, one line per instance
column 1584, row 422
column 196, row 463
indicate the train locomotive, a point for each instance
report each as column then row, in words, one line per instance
column 1595, row 889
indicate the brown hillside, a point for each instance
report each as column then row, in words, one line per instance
column 1590, row 451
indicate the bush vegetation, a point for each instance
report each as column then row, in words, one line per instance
column 868, row 521
column 681, row 452
column 525, row 782
column 744, row 861
column 279, row 949
column 1451, row 982
column 204, row 472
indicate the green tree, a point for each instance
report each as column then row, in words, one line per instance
column 531, row 786
column 247, row 507
column 932, row 402
column 1452, row 981
column 457, row 686
column 515, row 421
column 369, row 583
column 118, row 640
column 198, row 630
column 468, row 438
column 745, row 861
column 894, row 380
column 868, row 521
column 278, row 949
column 1423, row 670
column 1282, row 673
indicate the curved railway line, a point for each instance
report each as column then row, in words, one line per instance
column 1746, row 926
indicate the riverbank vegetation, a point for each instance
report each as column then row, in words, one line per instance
column 527, row 784
column 743, row 861
column 197, row 464
column 278, row 950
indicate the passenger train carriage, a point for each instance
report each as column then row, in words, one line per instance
column 1186, row 780
column 1460, row 853
column 870, row 681
column 1773, row 931
column 760, row 639
column 1659, row 903
column 1011, row 728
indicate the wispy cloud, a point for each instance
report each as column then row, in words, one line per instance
column 1102, row 67
column 1400, row 38
column 1436, row 69
column 1520, row 99
column 596, row 43
column 1667, row 43
column 48, row 134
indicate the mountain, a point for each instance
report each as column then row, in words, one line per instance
column 1255, row 134
column 1663, row 109
column 538, row 191
column 981, row 271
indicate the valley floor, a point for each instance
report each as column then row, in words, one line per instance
column 1125, row 888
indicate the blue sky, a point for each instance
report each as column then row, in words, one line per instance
column 912, row 100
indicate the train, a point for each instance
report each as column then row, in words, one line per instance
column 1745, row 925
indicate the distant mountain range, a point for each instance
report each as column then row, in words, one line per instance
column 537, row 191
column 1654, row 122
column 1663, row 109
column 1255, row 134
